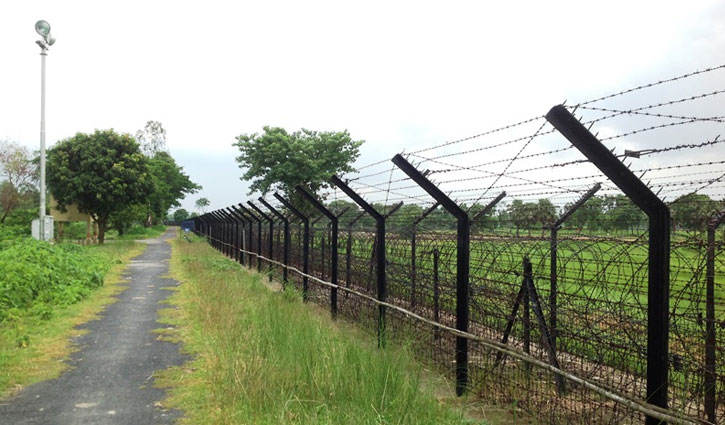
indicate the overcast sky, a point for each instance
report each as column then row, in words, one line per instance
column 398, row 75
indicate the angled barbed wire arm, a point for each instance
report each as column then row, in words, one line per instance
column 488, row 207
column 658, row 287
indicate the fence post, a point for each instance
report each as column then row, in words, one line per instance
column 285, row 249
column 305, row 243
column 658, row 287
column 248, row 241
column 348, row 249
column 413, row 254
column 333, row 219
column 259, row 235
column 270, row 248
column 462, row 266
column 231, row 236
column 380, row 251
column 553, row 277
column 710, row 360
column 240, row 230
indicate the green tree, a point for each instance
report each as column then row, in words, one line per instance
column 588, row 215
column 278, row 160
column 201, row 204
column 621, row 213
column 692, row 211
column 181, row 214
column 170, row 185
column 101, row 173
column 545, row 213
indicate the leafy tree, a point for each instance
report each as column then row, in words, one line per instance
column 181, row 214
column 20, row 174
column 588, row 215
column 101, row 173
column 545, row 213
column 523, row 215
column 202, row 203
column 170, row 185
column 278, row 160
column 122, row 219
column 152, row 138
column 621, row 214
column 692, row 211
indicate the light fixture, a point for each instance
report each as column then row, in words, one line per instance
column 43, row 28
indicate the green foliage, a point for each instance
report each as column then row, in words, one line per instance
column 170, row 184
column 278, row 160
column 101, row 173
column 123, row 219
column 692, row 211
column 181, row 214
column 36, row 275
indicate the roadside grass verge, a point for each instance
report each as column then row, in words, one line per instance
column 34, row 344
column 264, row 357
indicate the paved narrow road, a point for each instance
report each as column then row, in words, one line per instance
column 111, row 378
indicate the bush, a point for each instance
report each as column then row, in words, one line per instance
column 35, row 275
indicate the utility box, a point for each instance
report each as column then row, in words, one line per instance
column 47, row 228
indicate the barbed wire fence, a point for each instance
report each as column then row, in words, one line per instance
column 570, row 263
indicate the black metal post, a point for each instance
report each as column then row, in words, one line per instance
column 436, row 293
column 380, row 253
column 710, row 340
column 553, row 260
column 259, row 235
column 413, row 253
column 270, row 248
column 348, row 250
column 462, row 266
column 286, row 247
column 240, row 237
column 658, row 289
column 333, row 219
column 305, row 244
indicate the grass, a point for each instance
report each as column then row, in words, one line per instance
column 264, row 357
column 32, row 349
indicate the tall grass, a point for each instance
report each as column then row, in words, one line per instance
column 264, row 357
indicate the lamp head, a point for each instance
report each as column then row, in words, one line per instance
column 43, row 28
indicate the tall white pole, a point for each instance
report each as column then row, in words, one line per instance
column 41, row 224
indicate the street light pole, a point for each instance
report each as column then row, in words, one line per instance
column 42, row 28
